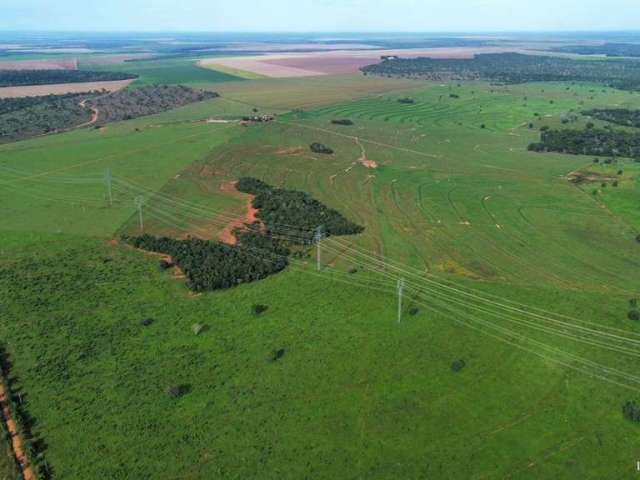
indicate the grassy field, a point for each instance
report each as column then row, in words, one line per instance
column 168, row 72
column 356, row 395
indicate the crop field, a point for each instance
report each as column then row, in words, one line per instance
column 510, row 267
column 175, row 71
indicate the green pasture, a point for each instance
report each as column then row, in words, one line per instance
column 168, row 72
column 356, row 395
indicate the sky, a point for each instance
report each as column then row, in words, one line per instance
column 319, row 15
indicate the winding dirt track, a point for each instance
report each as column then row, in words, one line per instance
column 95, row 113
column 16, row 442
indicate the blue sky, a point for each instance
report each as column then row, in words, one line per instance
column 319, row 15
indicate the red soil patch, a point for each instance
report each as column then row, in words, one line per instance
column 327, row 64
column 250, row 216
column 16, row 441
column 369, row 163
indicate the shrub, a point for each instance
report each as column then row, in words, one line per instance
column 614, row 183
column 413, row 311
column 638, row 238
column 483, row 126
column 407, row 100
column 258, row 309
column 633, row 303
column 147, row 321
column 633, row 315
column 344, row 121
column 458, row 365
column 631, row 411
column 198, row 328
column 177, row 391
column 320, row 148
column 277, row 355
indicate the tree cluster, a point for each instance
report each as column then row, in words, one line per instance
column 212, row 265
column 513, row 68
column 137, row 102
column 26, row 117
column 294, row 214
column 621, row 116
column 14, row 78
column 608, row 49
column 592, row 141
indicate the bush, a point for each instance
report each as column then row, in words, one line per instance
column 258, row 309
column 198, row 328
column 633, row 315
column 458, row 365
column 344, row 121
column 631, row 411
column 177, row 391
column 320, row 148
column 147, row 321
column 407, row 100
column 277, row 355
column 413, row 311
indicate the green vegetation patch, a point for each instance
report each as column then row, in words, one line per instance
column 133, row 103
column 610, row 49
column 621, row 116
column 14, row 78
column 170, row 72
column 31, row 116
column 214, row 265
column 589, row 142
column 294, row 213
column 513, row 68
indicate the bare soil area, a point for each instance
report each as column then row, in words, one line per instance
column 68, row 64
column 61, row 88
column 16, row 441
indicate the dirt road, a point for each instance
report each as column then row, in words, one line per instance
column 16, row 442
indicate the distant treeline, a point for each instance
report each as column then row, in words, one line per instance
column 608, row 49
column 14, row 78
column 137, row 102
column 513, row 68
column 294, row 214
column 26, row 117
column 590, row 141
column 621, row 116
